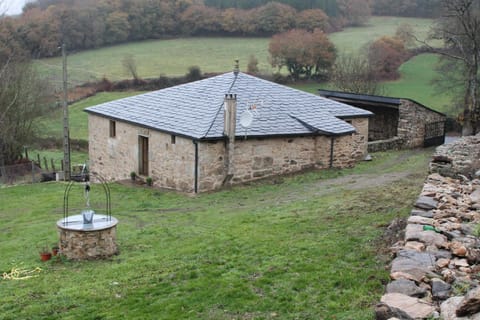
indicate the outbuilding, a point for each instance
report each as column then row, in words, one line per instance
column 397, row 122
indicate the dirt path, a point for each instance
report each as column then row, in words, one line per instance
column 361, row 181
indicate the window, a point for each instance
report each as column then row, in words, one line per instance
column 113, row 129
column 173, row 139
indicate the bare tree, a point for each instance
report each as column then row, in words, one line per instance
column 353, row 73
column 130, row 66
column 459, row 28
column 23, row 97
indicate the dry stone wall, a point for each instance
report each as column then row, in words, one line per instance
column 436, row 270
column 411, row 123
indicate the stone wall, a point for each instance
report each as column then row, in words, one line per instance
column 411, row 123
column 260, row 158
column 436, row 270
column 88, row 245
column 172, row 162
column 384, row 124
column 384, row 145
column 460, row 158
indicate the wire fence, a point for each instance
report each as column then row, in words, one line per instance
column 23, row 173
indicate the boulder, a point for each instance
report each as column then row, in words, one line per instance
column 415, row 232
column 440, row 289
column 426, row 203
column 406, row 287
column 422, row 213
column 407, row 307
column 475, row 196
column 420, row 220
column 412, row 265
column 470, row 304
column 443, row 263
column 415, row 245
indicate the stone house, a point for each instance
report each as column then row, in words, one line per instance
column 397, row 122
column 226, row 129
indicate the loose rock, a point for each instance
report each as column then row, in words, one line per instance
column 412, row 307
column 470, row 303
column 406, row 287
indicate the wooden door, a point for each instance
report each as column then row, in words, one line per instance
column 143, row 156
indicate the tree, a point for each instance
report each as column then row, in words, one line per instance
column 386, row 55
column 303, row 53
column 354, row 12
column 252, row 66
column 459, row 28
column 353, row 73
column 405, row 33
column 130, row 66
column 312, row 19
column 22, row 100
column 274, row 18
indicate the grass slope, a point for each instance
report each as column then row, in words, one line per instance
column 416, row 79
column 305, row 248
column 213, row 54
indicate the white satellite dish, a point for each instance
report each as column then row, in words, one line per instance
column 246, row 119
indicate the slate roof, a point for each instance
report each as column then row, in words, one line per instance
column 196, row 109
column 356, row 98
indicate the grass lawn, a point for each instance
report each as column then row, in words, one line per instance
column 307, row 247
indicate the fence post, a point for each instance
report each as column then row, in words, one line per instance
column 33, row 171
column 45, row 162
column 38, row 161
column 53, row 164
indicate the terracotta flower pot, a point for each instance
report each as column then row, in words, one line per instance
column 45, row 256
column 54, row 251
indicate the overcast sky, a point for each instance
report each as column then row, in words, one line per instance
column 11, row 7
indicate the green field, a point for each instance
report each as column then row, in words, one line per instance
column 353, row 39
column 416, row 83
column 173, row 57
column 304, row 247
column 51, row 125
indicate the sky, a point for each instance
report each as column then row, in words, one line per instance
column 11, row 7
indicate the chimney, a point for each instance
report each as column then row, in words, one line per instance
column 230, row 115
column 230, row 121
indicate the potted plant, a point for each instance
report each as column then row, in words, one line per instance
column 149, row 181
column 55, row 249
column 133, row 175
column 45, row 253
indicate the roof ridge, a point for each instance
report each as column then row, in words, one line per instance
column 221, row 105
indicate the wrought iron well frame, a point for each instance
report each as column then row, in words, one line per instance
column 106, row 188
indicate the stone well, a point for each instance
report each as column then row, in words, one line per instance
column 96, row 240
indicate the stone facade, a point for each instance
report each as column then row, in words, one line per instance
column 171, row 160
column 412, row 121
column 88, row 245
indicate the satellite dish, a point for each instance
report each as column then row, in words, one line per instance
column 246, row 119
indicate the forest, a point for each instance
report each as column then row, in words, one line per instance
column 86, row 24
